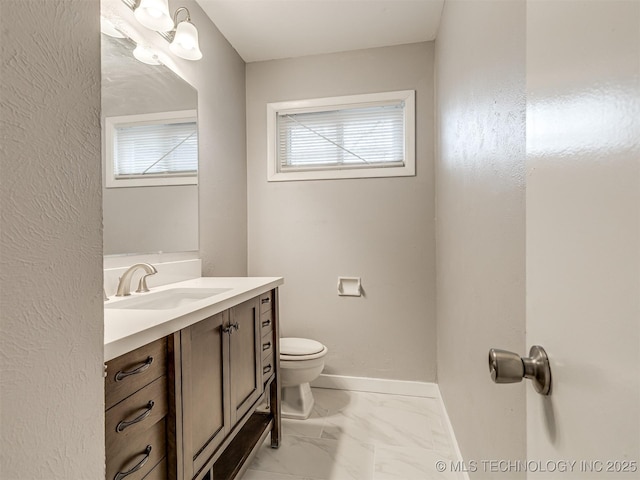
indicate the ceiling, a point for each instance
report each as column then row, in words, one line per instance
column 270, row 29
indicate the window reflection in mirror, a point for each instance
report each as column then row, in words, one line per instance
column 146, row 219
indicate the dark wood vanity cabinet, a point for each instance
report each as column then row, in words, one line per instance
column 136, row 417
column 205, row 402
column 245, row 358
column 204, row 370
column 230, row 372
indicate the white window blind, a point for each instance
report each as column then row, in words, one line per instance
column 357, row 136
column 159, row 149
column 344, row 138
column 151, row 149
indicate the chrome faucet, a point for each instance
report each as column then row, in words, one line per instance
column 124, row 285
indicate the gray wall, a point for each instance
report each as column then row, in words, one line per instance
column 51, row 330
column 382, row 230
column 220, row 80
column 480, row 176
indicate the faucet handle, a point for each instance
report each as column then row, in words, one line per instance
column 142, row 284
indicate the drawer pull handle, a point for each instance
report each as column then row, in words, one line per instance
column 124, row 424
column 266, row 346
column 121, row 475
column 265, row 300
column 266, row 323
column 266, row 369
column 122, row 375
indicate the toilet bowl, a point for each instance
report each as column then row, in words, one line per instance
column 301, row 361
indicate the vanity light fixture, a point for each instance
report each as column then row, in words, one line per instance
column 145, row 55
column 185, row 39
column 182, row 36
column 154, row 14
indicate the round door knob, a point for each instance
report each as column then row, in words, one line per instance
column 505, row 367
column 509, row 367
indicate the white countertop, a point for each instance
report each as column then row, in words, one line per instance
column 127, row 329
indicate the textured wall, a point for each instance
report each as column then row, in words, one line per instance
column 480, row 211
column 51, row 331
column 220, row 80
column 381, row 229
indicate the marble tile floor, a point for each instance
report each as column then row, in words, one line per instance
column 360, row 436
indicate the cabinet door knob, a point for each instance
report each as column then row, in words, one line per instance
column 230, row 328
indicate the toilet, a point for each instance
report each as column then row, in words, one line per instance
column 301, row 362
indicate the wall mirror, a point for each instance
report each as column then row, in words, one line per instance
column 139, row 218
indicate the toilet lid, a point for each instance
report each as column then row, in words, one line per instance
column 299, row 346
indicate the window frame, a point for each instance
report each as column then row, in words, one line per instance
column 330, row 172
column 110, row 125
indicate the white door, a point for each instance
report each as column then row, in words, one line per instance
column 583, row 236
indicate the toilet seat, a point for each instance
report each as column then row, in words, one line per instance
column 297, row 349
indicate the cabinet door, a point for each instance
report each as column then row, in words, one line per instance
column 205, row 380
column 245, row 359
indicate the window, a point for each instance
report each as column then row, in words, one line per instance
column 357, row 136
column 152, row 149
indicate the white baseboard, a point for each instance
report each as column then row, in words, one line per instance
column 452, row 434
column 377, row 385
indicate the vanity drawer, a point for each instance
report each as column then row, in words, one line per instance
column 135, row 414
column 266, row 302
column 130, row 372
column 143, row 452
column 266, row 323
column 266, row 345
column 268, row 367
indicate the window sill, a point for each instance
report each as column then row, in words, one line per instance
column 337, row 174
column 151, row 181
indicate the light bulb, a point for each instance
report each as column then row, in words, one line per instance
column 185, row 41
column 145, row 55
column 154, row 14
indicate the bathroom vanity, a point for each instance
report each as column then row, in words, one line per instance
column 192, row 385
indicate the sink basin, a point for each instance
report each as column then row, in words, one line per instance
column 166, row 299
